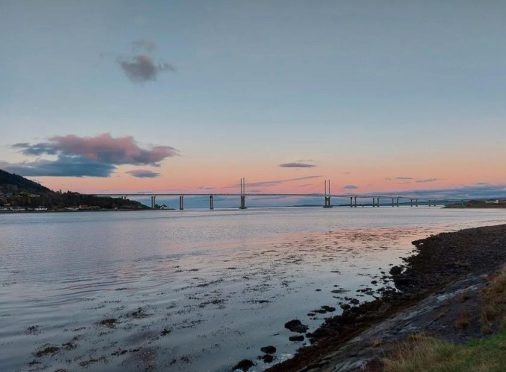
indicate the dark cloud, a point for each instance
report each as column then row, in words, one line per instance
column 102, row 148
column 142, row 68
column 297, row 165
column 350, row 187
column 35, row 149
column 143, row 173
column 63, row 166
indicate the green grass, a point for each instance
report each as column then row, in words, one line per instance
column 424, row 353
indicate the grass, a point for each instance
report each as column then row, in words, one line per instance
column 494, row 303
column 425, row 353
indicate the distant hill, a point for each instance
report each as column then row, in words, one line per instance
column 19, row 192
column 10, row 179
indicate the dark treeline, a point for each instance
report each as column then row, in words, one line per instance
column 17, row 191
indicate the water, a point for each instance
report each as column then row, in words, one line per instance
column 192, row 290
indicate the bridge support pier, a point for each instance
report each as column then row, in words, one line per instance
column 153, row 201
column 416, row 202
column 181, row 202
column 351, row 201
column 211, row 202
column 326, row 202
column 393, row 205
column 411, row 202
column 397, row 202
column 243, row 194
column 378, row 202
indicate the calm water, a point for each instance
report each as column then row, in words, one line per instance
column 192, row 290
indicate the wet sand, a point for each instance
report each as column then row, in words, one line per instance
column 443, row 266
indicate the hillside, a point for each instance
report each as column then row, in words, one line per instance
column 19, row 193
column 13, row 181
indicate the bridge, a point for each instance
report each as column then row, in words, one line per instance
column 392, row 200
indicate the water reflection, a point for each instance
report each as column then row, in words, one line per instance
column 197, row 290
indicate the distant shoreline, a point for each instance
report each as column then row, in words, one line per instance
column 80, row 210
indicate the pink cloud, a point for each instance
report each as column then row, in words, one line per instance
column 102, row 148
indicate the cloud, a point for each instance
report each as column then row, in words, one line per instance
column 141, row 68
column 350, row 187
column 463, row 192
column 427, row 180
column 63, row 166
column 96, row 156
column 143, row 173
column 403, row 178
column 274, row 182
column 297, row 165
column 102, row 148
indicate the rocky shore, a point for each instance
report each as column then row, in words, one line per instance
column 437, row 291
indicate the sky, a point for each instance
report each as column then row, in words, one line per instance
column 377, row 96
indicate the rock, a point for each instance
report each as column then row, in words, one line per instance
column 267, row 358
column 165, row 332
column 109, row 323
column 268, row 349
column 339, row 291
column 328, row 309
column 354, row 301
column 296, row 338
column 48, row 350
column 296, row 325
column 244, row 365
column 344, row 306
column 395, row 270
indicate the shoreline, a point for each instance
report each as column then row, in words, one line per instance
column 79, row 211
column 442, row 265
